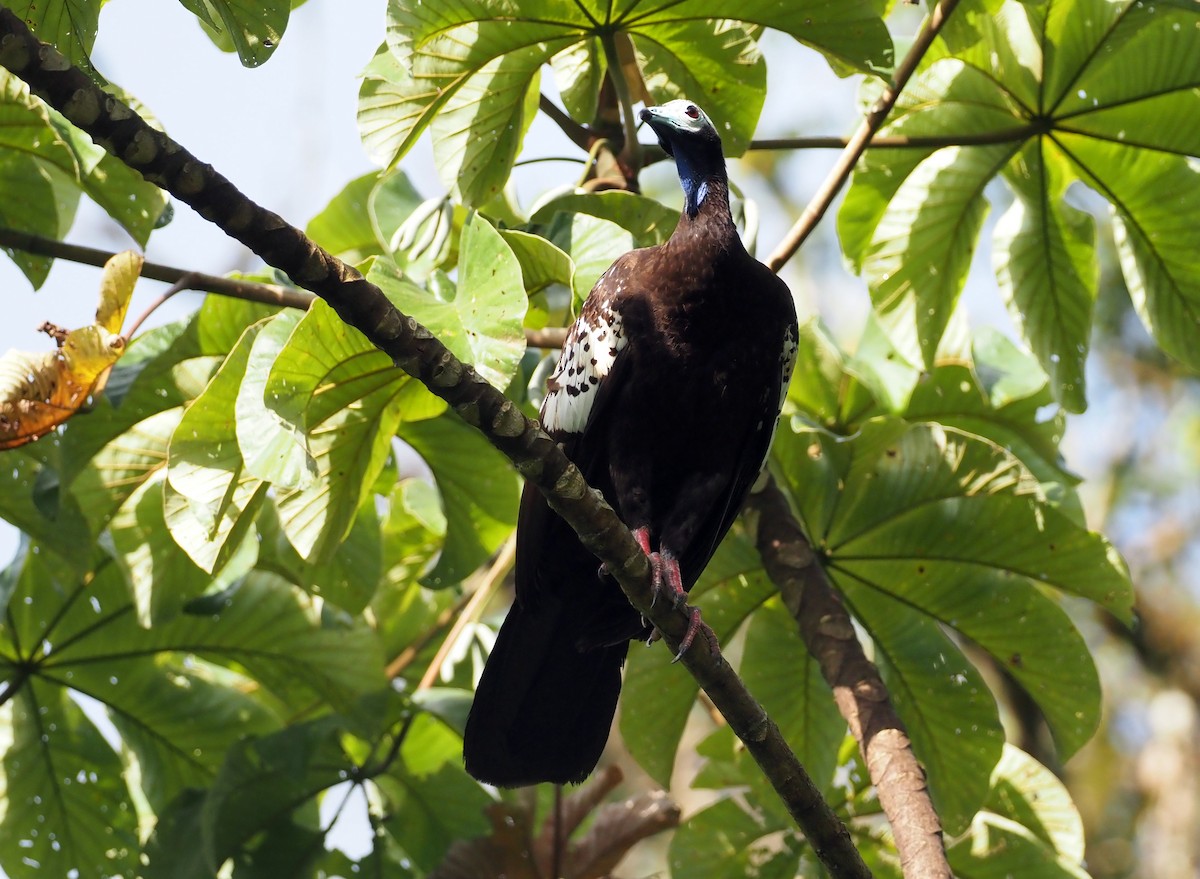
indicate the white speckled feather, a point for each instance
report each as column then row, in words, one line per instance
column 587, row 358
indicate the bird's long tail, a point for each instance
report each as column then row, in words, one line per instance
column 543, row 707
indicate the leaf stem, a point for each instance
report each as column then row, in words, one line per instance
column 579, row 134
column 631, row 154
column 858, row 143
column 479, row 599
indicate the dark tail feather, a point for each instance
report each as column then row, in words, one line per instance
column 543, row 708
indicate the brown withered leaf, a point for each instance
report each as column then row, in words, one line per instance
column 39, row 391
column 505, row 853
column 511, row 852
column 617, row 828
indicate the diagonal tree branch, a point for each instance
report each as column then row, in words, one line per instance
column 861, row 696
column 117, row 128
column 861, row 139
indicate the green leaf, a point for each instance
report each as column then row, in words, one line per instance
column 502, row 97
column 578, row 74
column 480, row 320
column 176, row 722
column 344, row 227
column 787, row 680
column 252, row 28
column 1028, row 793
column 264, row 780
column 479, row 493
column 870, row 504
column 955, row 395
column 68, row 811
column 947, row 708
column 39, row 188
column 348, row 578
column 997, row 848
column 542, row 262
column 478, row 59
column 917, row 258
column 119, row 469
column 161, row 577
column 593, row 244
column 727, row 840
column 730, row 588
column 1045, row 262
column 648, row 221
column 1152, row 196
column 210, row 498
column 713, row 62
column 851, row 33
column 1092, row 88
column 347, row 399
column 68, row 25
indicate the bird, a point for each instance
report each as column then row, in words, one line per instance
column 666, row 395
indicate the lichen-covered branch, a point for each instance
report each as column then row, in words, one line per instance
column 858, row 689
column 117, row 128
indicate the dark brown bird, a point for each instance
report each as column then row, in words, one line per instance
column 666, row 395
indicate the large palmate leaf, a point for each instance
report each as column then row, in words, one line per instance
column 175, row 708
column 1041, row 96
column 346, row 399
column 470, row 70
column 937, row 526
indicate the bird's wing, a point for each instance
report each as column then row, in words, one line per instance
column 751, row 459
column 590, row 369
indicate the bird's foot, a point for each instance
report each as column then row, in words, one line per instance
column 668, row 582
column 642, row 536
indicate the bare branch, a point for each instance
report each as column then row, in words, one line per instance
column 840, row 172
column 271, row 294
column 186, row 279
column 858, row 689
column 985, row 138
column 413, row 348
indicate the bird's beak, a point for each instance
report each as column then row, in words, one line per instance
column 662, row 125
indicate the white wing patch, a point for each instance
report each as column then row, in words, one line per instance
column 587, row 358
column 787, row 362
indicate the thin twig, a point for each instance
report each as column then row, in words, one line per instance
column 479, row 599
column 405, row 658
column 187, row 279
column 899, row 141
column 271, row 294
column 840, row 172
column 184, row 283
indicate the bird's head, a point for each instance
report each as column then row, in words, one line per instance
column 690, row 138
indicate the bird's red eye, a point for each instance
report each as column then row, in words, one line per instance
column 693, row 111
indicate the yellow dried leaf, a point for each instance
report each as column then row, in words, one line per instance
column 39, row 391
column 116, row 289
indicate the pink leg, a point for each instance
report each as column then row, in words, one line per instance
column 666, row 579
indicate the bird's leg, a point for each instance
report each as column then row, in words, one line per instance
column 667, row 580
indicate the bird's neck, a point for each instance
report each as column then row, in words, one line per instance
column 705, row 185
